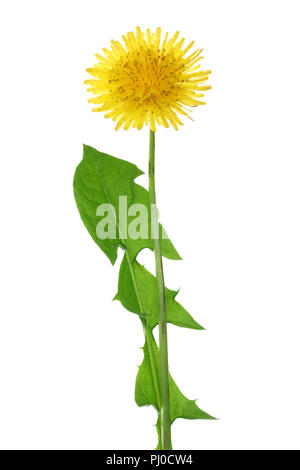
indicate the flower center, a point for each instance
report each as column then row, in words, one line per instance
column 146, row 77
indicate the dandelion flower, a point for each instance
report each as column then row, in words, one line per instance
column 147, row 80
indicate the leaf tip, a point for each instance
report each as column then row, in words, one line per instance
column 205, row 415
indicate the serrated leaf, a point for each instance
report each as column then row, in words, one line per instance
column 101, row 179
column 180, row 406
column 146, row 285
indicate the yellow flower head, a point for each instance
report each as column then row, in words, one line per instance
column 147, row 80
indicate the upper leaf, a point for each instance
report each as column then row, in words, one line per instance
column 101, row 179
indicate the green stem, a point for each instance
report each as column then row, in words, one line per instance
column 161, row 291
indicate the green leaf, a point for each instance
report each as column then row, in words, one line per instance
column 144, row 387
column 102, row 179
column 180, row 406
column 145, row 284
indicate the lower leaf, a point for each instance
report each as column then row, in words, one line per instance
column 145, row 395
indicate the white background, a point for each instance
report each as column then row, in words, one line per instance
column 229, row 193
